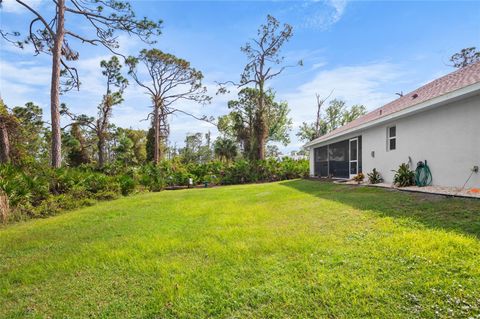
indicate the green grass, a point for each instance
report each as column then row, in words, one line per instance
column 292, row 249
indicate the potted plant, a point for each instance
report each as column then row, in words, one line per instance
column 374, row 177
column 404, row 176
column 359, row 178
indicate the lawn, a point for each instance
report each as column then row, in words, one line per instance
column 293, row 249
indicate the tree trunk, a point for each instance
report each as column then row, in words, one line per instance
column 4, row 207
column 317, row 123
column 4, row 143
column 261, row 126
column 162, row 137
column 101, row 149
column 156, row 128
column 261, row 138
column 55, row 86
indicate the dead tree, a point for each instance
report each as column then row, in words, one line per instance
column 318, row 122
column 263, row 56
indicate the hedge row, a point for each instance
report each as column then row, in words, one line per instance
column 39, row 192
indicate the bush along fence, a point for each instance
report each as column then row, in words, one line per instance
column 34, row 192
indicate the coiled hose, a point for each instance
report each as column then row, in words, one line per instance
column 423, row 175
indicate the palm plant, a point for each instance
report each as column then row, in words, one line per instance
column 225, row 149
column 404, row 176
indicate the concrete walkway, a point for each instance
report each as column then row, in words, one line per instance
column 438, row 190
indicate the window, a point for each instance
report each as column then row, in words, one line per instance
column 391, row 138
column 321, row 154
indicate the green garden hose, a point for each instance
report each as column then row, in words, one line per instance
column 423, row 175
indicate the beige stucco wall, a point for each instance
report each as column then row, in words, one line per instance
column 448, row 137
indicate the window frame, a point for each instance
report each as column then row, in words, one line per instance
column 389, row 138
column 350, row 160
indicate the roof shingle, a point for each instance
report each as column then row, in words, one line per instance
column 451, row 82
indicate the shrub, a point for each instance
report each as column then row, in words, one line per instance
column 404, row 176
column 63, row 179
column 55, row 204
column 40, row 192
column 36, row 191
column 20, row 187
column 153, row 177
column 236, row 173
column 374, row 177
column 106, row 195
column 95, row 183
column 175, row 172
column 113, row 169
column 127, row 184
column 79, row 192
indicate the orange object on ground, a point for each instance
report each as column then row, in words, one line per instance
column 474, row 190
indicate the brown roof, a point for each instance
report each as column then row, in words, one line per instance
column 451, row 82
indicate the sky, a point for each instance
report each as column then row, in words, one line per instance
column 365, row 51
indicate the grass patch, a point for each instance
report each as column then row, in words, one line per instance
column 281, row 250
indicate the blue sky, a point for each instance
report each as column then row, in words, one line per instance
column 364, row 51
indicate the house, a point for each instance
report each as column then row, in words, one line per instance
column 438, row 122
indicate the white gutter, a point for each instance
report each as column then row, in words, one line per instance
column 453, row 96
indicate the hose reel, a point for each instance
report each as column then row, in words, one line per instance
column 423, row 175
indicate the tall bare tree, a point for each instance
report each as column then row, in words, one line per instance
column 311, row 131
column 264, row 63
column 50, row 35
column 169, row 80
column 318, row 121
column 336, row 114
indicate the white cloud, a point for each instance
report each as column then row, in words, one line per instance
column 9, row 48
column 23, row 82
column 318, row 65
column 24, row 73
column 339, row 6
column 370, row 85
column 11, row 6
column 319, row 14
column 360, row 84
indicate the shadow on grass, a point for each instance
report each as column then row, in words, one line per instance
column 453, row 214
